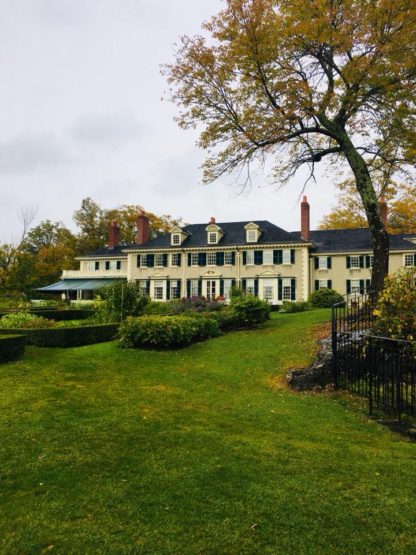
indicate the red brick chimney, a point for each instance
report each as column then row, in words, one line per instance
column 212, row 220
column 142, row 222
column 383, row 210
column 305, row 231
column 113, row 235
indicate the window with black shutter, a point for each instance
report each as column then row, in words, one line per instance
column 292, row 256
column 107, row 264
column 293, row 289
column 97, row 265
column 202, row 259
column 220, row 259
column 118, row 264
column 258, row 257
column 150, row 260
column 277, row 257
column 138, row 260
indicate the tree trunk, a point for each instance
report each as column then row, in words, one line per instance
column 379, row 236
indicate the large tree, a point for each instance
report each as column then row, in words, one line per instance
column 300, row 81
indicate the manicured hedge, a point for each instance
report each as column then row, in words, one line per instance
column 11, row 347
column 166, row 331
column 58, row 315
column 67, row 337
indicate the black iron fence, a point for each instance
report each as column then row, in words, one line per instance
column 381, row 369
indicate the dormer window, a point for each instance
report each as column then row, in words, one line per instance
column 212, row 237
column 253, row 232
column 176, row 239
column 251, row 235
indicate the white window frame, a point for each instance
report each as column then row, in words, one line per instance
column 354, row 262
column 159, row 290
column 142, row 286
column 322, row 263
column 355, row 286
column 228, row 258
column 286, row 289
column 411, row 259
column 91, row 266
column 176, row 239
column 174, row 259
column 158, row 260
column 211, row 258
column 194, row 287
column 249, row 258
column 286, row 257
column 268, row 290
column 371, row 260
column 268, row 257
column 250, row 287
column 194, row 258
column 323, row 284
column 228, row 283
column 251, row 236
column 212, row 237
column 174, row 289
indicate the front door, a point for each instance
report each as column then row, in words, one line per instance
column 211, row 289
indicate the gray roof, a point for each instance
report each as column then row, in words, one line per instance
column 234, row 234
column 354, row 240
column 324, row 240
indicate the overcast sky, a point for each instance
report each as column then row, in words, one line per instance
column 81, row 115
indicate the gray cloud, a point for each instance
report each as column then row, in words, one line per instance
column 106, row 131
column 28, row 152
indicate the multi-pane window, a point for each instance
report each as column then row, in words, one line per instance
column 228, row 258
column 143, row 261
column 287, row 292
column 370, row 261
column 227, row 288
column 174, row 259
column 142, row 286
column 212, row 237
column 250, row 257
column 92, row 266
column 323, row 262
column 176, row 239
column 268, row 257
column 174, row 289
column 355, row 286
column 251, row 236
column 158, row 290
column 194, row 288
column 250, row 287
column 323, row 284
column 286, row 258
column 268, row 290
column 194, row 259
column 354, row 262
column 212, row 259
column 409, row 260
column 158, row 260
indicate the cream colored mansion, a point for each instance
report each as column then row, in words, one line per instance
column 263, row 259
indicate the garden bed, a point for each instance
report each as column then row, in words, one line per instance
column 74, row 336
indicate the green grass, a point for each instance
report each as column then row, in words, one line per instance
column 201, row 450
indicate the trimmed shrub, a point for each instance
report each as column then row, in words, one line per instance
column 250, row 310
column 325, row 298
column 166, row 331
column 67, row 337
column 289, row 307
column 11, row 347
column 24, row 320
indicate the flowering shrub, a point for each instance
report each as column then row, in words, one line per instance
column 166, row 331
column 25, row 320
column 395, row 310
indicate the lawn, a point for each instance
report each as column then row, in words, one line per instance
column 200, row 450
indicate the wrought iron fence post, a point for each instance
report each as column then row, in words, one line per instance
column 399, row 384
column 334, row 348
column 370, row 376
